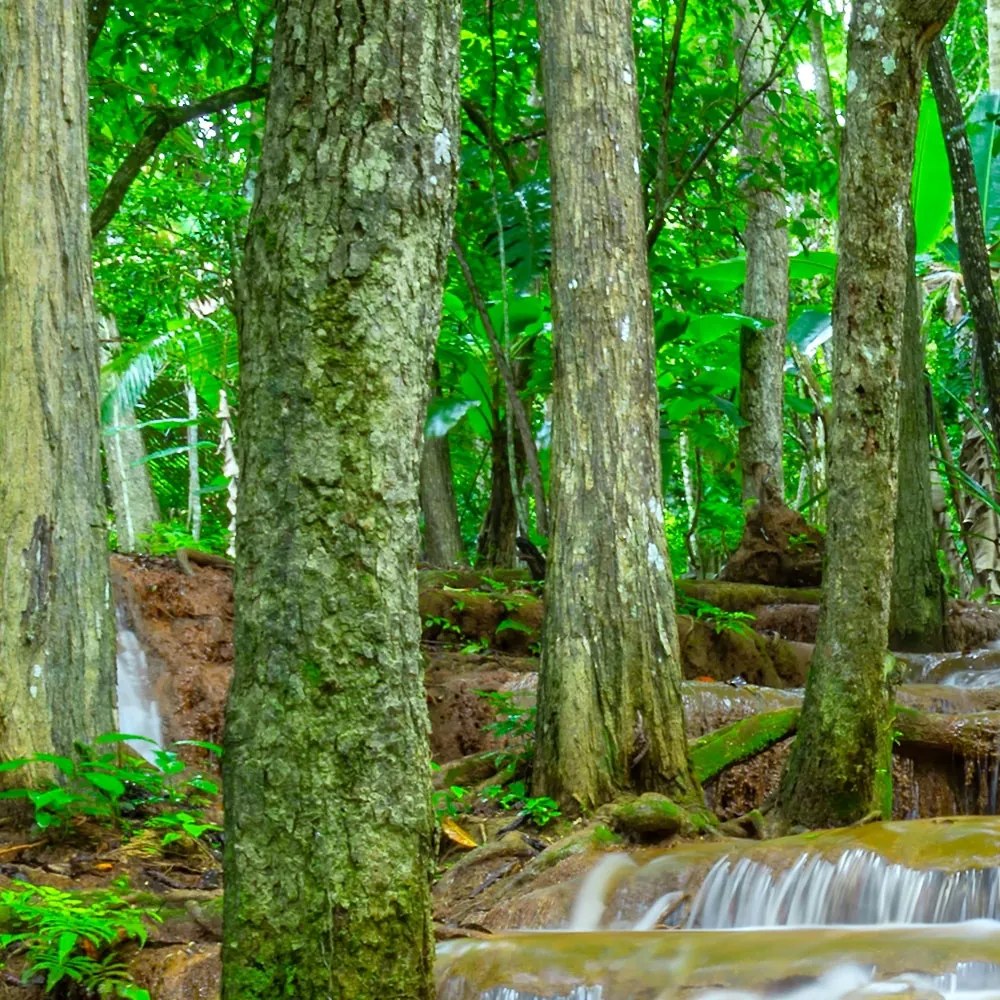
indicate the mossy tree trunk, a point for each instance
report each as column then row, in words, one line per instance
column 916, row 614
column 56, row 627
column 329, row 825
column 839, row 770
column 610, row 717
column 765, row 292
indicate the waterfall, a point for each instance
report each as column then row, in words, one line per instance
column 138, row 712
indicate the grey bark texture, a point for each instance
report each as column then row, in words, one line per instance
column 442, row 535
column 839, row 768
column 329, row 826
column 610, row 717
column 916, row 613
column 765, row 292
column 56, row 625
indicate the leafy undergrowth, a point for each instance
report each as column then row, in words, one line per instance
column 115, row 855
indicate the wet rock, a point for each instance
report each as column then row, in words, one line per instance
column 649, row 817
column 778, row 547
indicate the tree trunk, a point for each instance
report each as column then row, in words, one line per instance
column 57, row 634
column 821, row 72
column 329, row 826
column 839, row 770
column 609, row 716
column 442, row 535
column 974, row 255
column 993, row 41
column 133, row 501
column 497, row 544
column 916, row 614
column 765, row 293
column 194, row 474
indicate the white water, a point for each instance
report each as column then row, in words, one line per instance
column 857, row 888
column 138, row 712
column 829, row 927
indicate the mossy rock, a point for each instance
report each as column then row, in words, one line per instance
column 649, row 817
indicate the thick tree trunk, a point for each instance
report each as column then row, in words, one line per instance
column 133, row 501
column 973, row 253
column 765, row 293
column 56, row 629
column 916, row 615
column 610, row 715
column 442, row 535
column 329, row 827
column 839, row 770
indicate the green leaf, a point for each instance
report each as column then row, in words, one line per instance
column 931, row 178
column 810, row 329
column 984, row 139
column 66, row 943
column 107, row 783
column 444, row 414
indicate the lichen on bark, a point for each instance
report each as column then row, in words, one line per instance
column 328, row 818
column 839, row 770
column 610, row 717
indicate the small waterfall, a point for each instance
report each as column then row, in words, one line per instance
column 138, row 712
column 860, row 887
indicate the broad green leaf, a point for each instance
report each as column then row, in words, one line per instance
column 726, row 275
column 931, row 178
column 444, row 414
column 106, row 783
column 810, row 329
column 984, row 139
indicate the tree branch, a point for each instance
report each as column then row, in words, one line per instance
column 972, row 252
column 659, row 219
column 477, row 116
column 163, row 121
column 513, row 399
column 97, row 16
column 669, row 85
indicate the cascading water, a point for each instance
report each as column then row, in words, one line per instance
column 138, row 712
column 766, row 921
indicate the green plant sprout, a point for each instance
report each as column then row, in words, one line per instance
column 720, row 619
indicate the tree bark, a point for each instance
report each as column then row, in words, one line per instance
column 442, row 536
column 973, row 253
column 56, row 628
column 497, row 544
column 993, row 41
column 916, row 612
column 610, row 717
column 821, row 72
column 329, row 826
column 839, row 770
column 765, row 292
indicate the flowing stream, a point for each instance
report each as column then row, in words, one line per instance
column 906, row 909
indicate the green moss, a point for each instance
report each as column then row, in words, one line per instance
column 603, row 836
column 715, row 751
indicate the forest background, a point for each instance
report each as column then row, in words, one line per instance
column 177, row 116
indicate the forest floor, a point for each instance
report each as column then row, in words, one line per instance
column 481, row 634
